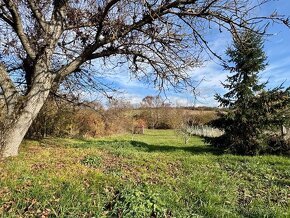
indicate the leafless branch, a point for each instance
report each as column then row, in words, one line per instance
column 17, row 26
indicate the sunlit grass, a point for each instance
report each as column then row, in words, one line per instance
column 150, row 175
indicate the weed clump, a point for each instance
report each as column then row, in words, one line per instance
column 92, row 161
column 137, row 202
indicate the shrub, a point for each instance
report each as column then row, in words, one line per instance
column 91, row 161
column 278, row 145
column 88, row 123
column 54, row 119
column 61, row 119
column 137, row 202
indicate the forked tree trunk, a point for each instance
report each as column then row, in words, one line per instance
column 14, row 133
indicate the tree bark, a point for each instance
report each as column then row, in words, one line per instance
column 15, row 130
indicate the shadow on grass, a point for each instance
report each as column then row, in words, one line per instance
column 166, row 148
column 142, row 146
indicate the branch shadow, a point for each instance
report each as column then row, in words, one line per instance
column 142, row 146
column 202, row 149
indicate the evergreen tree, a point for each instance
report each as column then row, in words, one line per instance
column 248, row 59
column 251, row 108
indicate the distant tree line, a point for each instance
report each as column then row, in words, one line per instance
column 60, row 118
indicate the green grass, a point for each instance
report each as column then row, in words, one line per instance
column 150, row 175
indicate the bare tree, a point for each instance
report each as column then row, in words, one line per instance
column 152, row 106
column 45, row 45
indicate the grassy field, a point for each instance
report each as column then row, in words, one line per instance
column 150, row 175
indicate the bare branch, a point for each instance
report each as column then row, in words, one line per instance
column 88, row 51
column 103, row 16
column 38, row 15
column 17, row 26
column 10, row 93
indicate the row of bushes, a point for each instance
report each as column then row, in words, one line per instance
column 61, row 119
column 173, row 118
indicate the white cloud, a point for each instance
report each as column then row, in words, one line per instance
column 133, row 98
column 277, row 72
column 210, row 77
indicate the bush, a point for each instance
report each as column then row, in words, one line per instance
column 117, row 122
column 88, row 123
column 92, row 161
column 54, row 119
column 278, row 145
column 137, row 202
column 59, row 118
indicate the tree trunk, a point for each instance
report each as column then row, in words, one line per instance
column 14, row 132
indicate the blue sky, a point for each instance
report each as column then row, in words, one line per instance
column 277, row 48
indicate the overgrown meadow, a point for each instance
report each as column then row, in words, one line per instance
column 150, row 175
